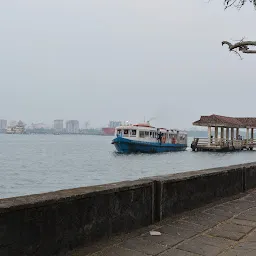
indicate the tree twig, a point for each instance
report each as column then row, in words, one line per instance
column 238, row 3
column 242, row 46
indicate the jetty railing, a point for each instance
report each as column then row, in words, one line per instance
column 222, row 142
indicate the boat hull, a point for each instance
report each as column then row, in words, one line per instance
column 124, row 145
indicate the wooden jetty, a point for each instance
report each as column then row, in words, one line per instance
column 225, row 135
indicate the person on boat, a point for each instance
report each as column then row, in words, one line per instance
column 159, row 138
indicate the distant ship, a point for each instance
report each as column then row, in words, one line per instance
column 110, row 130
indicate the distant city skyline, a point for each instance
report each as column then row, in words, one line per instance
column 60, row 124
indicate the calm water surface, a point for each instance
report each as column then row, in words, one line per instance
column 41, row 163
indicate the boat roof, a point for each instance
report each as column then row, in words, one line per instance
column 136, row 126
column 146, row 126
column 226, row 121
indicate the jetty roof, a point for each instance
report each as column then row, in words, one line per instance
column 226, row 121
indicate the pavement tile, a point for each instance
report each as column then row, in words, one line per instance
column 234, row 252
column 242, row 222
column 246, row 245
column 82, row 251
column 164, row 239
column 246, row 216
column 204, row 219
column 250, row 197
column 240, row 204
column 144, row 246
column 177, row 252
column 230, row 231
column 236, row 236
column 252, row 211
column 179, row 232
column 122, row 237
column 243, row 248
column 187, row 225
column 251, row 237
column 205, row 245
column 219, row 211
column 229, row 208
column 119, row 251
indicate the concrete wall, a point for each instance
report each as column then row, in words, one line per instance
column 186, row 191
column 52, row 223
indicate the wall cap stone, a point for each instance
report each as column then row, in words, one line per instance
column 37, row 200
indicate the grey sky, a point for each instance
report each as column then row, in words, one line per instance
column 123, row 60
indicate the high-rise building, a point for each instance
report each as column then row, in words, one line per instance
column 72, row 126
column 3, row 124
column 58, row 125
column 114, row 124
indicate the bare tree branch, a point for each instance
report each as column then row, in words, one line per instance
column 242, row 46
column 238, row 3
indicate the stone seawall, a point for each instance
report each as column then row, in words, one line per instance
column 55, row 222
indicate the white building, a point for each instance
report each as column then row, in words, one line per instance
column 58, row 125
column 19, row 128
column 3, row 124
column 72, row 126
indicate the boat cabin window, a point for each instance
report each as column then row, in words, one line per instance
column 126, row 132
column 134, row 132
column 118, row 131
column 152, row 134
column 142, row 134
column 146, row 134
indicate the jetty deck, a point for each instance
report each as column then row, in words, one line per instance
column 226, row 135
column 225, row 228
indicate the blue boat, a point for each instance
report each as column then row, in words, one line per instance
column 144, row 138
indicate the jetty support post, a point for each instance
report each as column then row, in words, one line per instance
column 227, row 134
column 216, row 134
column 247, row 136
column 237, row 133
column 209, row 135
column 222, row 134
column 232, row 134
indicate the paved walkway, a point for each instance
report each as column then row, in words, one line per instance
column 227, row 228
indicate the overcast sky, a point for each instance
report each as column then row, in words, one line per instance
column 104, row 60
